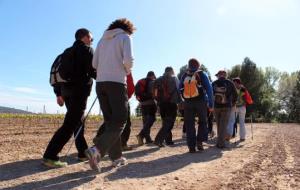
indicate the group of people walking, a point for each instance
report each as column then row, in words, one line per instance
column 110, row 65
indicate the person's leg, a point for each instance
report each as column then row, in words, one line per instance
column 218, row 122
column 242, row 115
column 224, row 117
column 231, row 121
column 189, row 121
column 126, row 132
column 80, row 141
column 63, row 134
column 171, row 115
column 210, row 118
column 101, row 130
column 201, row 111
column 113, row 98
column 164, row 128
column 150, row 119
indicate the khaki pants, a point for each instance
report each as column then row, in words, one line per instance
column 222, row 116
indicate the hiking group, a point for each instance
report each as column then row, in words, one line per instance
column 194, row 95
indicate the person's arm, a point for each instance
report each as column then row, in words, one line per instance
column 59, row 99
column 91, row 71
column 127, row 53
column 208, row 88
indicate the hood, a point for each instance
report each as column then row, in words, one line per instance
column 109, row 34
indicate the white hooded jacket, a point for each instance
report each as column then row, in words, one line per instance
column 113, row 57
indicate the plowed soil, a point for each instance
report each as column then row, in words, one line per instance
column 269, row 160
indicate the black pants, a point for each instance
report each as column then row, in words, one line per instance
column 210, row 118
column 72, row 122
column 126, row 132
column 168, row 113
column 193, row 109
column 114, row 105
column 148, row 113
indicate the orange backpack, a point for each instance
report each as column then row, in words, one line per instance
column 191, row 85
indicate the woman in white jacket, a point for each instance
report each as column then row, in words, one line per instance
column 113, row 60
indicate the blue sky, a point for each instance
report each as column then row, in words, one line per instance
column 220, row 33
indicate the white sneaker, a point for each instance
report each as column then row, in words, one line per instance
column 94, row 158
column 119, row 162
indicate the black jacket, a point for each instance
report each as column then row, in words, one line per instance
column 83, row 72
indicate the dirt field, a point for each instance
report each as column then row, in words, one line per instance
column 270, row 161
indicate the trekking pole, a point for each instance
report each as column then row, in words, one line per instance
column 81, row 126
column 251, row 127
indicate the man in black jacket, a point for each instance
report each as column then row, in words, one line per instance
column 74, row 94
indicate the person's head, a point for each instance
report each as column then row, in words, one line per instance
column 193, row 65
column 84, row 35
column 237, row 82
column 124, row 24
column 169, row 71
column 221, row 74
column 151, row 75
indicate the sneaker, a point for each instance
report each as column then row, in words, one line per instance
column 140, row 140
column 200, row 146
column 149, row 141
column 184, row 135
column 126, row 148
column 54, row 163
column 94, row 157
column 119, row 162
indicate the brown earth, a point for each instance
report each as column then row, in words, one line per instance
column 270, row 161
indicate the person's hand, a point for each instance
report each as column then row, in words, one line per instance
column 60, row 101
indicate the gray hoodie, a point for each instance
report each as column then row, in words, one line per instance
column 113, row 58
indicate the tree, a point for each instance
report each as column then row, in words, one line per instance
column 295, row 101
column 286, row 86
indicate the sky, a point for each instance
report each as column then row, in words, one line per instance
column 219, row 33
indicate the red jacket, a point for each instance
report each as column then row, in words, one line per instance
column 130, row 85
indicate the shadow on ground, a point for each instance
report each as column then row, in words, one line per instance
column 164, row 165
column 66, row 181
column 14, row 170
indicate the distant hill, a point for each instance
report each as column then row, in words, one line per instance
column 13, row 110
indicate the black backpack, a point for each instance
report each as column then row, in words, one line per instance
column 62, row 68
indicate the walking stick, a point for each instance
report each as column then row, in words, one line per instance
column 80, row 128
column 251, row 127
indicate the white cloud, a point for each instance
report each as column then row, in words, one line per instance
column 26, row 90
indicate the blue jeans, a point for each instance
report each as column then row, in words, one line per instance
column 192, row 109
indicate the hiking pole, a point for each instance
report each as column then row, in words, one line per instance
column 251, row 126
column 81, row 126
